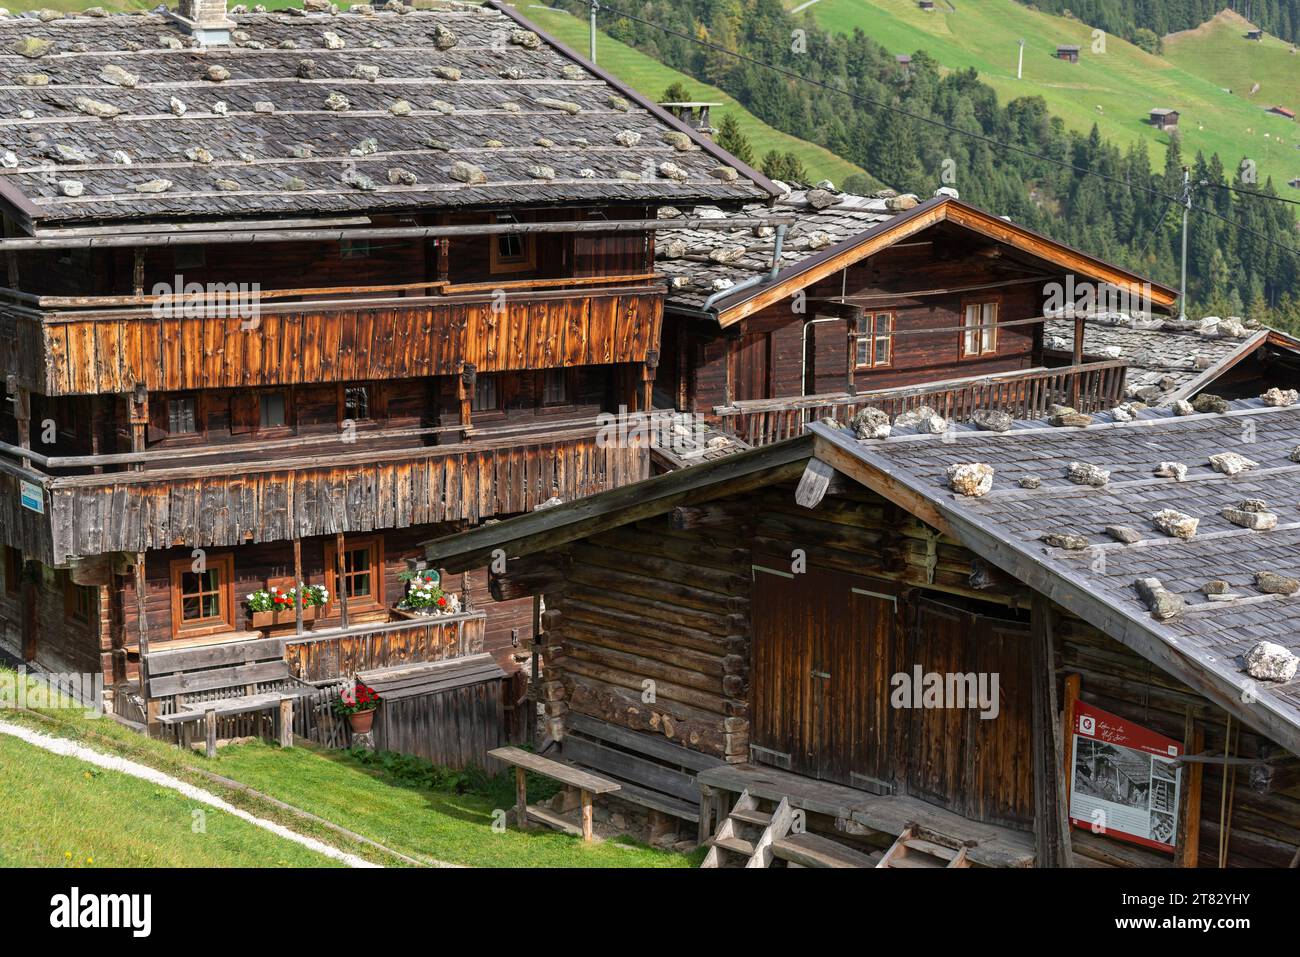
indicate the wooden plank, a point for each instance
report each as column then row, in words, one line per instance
column 814, row 483
column 653, row 745
column 635, row 769
column 166, row 661
column 525, row 760
column 1051, row 812
column 194, row 681
column 1189, row 814
column 813, row 850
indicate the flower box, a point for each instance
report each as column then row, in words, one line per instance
column 277, row 620
column 417, row 614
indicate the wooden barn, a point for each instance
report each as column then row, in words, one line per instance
column 1164, row 119
column 879, row 300
column 351, row 301
column 826, row 652
column 1068, row 52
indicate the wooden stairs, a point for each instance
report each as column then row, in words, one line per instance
column 750, row 837
column 917, row 847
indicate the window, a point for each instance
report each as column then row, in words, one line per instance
column 356, row 403
column 354, row 249
column 203, row 601
column 485, row 394
column 189, row 257
column 272, row 413
column 80, row 602
column 555, row 388
column 873, row 335
column 182, row 416
column 13, row 569
column 981, row 332
column 362, row 574
column 512, row 252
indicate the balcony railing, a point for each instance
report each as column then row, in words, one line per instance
column 114, row 344
column 1024, row 394
column 298, row 488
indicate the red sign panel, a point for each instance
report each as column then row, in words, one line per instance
column 1123, row 779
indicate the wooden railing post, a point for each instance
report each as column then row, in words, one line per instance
column 22, row 413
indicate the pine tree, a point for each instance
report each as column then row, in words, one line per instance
column 733, row 139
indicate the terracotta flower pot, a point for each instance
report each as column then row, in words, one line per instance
column 360, row 721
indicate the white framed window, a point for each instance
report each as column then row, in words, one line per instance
column 980, row 329
column 873, row 340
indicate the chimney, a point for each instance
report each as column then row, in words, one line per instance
column 206, row 21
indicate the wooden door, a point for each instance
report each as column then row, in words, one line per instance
column 820, row 675
column 977, row 767
column 753, row 367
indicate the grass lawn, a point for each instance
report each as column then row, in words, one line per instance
column 1115, row 89
column 456, row 828
column 398, row 810
column 63, row 812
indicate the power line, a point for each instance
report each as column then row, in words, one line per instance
column 605, row 8
column 1248, row 192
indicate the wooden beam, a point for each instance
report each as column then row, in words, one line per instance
column 340, row 581
column 1051, row 810
column 521, row 798
column 1189, row 812
column 814, row 483
column 298, row 583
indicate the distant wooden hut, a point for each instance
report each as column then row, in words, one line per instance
column 1281, row 111
column 1068, row 52
column 1164, row 119
column 1254, row 34
column 925, row 4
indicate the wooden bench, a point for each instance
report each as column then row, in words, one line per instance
column 199, row 681
column 587, row 784
column 654, row 772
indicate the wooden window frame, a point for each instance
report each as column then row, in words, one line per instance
column 525, row 262
column 72, row 594
column 567, row 402
column 200, row 433
column 376, row 601
column 290, row 423
column 872, row 336
column 497, row 411
column 375, row 397
column 226, row 589
column 981, row 352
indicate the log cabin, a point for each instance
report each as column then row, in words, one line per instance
column 741, row 644
column 877, row 300
column 289, row 293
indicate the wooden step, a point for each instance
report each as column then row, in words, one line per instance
column 931, row 848
column 757, row 818
column 813, row 850
column 907, row 858
column 736, row 845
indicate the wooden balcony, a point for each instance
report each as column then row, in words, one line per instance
column 1025, row 394
column 297, row 488
column 112, row 344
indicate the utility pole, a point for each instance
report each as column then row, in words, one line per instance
column 1020, row 60
column 595, row 5
column 1186, row 199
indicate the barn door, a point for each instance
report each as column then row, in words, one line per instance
column 977, row 767
column 820, row 675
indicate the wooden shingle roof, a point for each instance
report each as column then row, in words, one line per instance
column 121, row 117
column 1204, row 645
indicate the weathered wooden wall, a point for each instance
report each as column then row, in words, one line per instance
column 52, row 640
column 324, row 342
column 349, row 493
column 455, row 728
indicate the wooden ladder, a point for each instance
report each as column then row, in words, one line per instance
column 737, row 845
column 916, row 847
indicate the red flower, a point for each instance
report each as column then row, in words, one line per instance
column 442, row 601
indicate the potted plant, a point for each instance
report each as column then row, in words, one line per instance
column 272, row 609
column 425, row 596
column 359, row 702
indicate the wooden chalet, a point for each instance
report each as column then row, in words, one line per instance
column 727, row 642
column 1069, row 52
column 446, row 222
column 879, row 300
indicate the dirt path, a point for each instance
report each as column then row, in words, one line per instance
column 144, row 772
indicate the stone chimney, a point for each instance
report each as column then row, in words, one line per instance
column 206, row 21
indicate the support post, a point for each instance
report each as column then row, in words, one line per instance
column 1079, row 331
column 286, row 722
column 210, row 726
column 298, row 583
column 588, row 833
column 1189, row 812
column 138, row 415
column 142, row 635
column 137, row 271
column 521, row 798
column 1051, row 815
column 465, row 387
column 22, row 413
